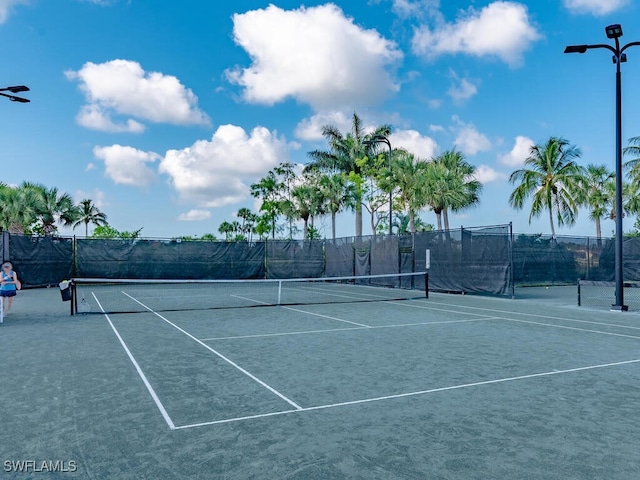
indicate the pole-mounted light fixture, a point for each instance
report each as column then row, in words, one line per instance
column 615, row 32
column 15, row 89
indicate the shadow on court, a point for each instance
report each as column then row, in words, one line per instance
column 454, row 387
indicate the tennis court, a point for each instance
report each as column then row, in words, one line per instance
column 451, row 387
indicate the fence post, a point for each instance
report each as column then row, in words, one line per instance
column 6, row 253
column 511, row 265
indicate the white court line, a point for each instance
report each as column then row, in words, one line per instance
column 305, row 332
column 229, row 361
column 152, row 392
column 510, row 312
column 413, row 394
column 427, row 306
column 302, row 311
column 388, row 301
column 327, row 316
column 568, row 328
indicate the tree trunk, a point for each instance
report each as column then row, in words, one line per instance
column 273, row 229
column 412, row 221
column 553, row 230
column 333, row 225
column 86, row 229
column 305, row 229
column 445, row 215
column 359, row 220
column 598, row 229
column 439, row 219
column 373, row 224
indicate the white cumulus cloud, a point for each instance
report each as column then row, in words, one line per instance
column 217, row 172
column 317, row 56
column 311, row 128
column 501, row 29
column 518, row 154
column 594, row 7
column 127, row 165
column 7, row 5
column 124, row 88
column 468, row 139
column 194, row 216
column 486, row 174
column 413, row 141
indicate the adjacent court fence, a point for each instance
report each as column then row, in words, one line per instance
column 487, row 260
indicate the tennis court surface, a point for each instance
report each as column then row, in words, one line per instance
column 450, row 387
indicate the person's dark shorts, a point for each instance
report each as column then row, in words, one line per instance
column 7, row 293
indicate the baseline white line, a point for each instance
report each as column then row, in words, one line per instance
column 565, row 327
column 305, row 332
column 228, row 360
column 536, row 315
column 302, row 311
column 150, row 389
column 418, row 393
column 237, row 419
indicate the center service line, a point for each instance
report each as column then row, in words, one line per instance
column 229, row 361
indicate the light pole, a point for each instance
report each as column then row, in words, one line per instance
column 16, row 89
column 615, row 32
column 383, row 139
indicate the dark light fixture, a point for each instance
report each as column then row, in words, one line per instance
column 615, row 32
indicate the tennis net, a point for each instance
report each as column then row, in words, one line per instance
column 133, row 296
column 598, row 294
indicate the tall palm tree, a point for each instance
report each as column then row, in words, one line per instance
column 335, row 191
column 595, row 193
column 344, row 155
column 89, row 213
column 53, row 207
column 551, row 177
column 244, row 214
column 459, row 187
column 305, row 202
column 409, row 176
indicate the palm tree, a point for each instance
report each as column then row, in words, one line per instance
column 244, row 214
column 53, row 207
column 409, row 176
column 302, row 202
column 89, row 213
column 633, row 149
column 226, row 229
column 552, row 178
column 595, row 192
column 460, row 189
column 18, row 208
column 344, row 156
column 335, row 192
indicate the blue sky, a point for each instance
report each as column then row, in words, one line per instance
column 164, row 112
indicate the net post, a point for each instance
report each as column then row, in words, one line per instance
column 426, row 284
column 279, row 292
column 579, row 294
column 74, row 297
